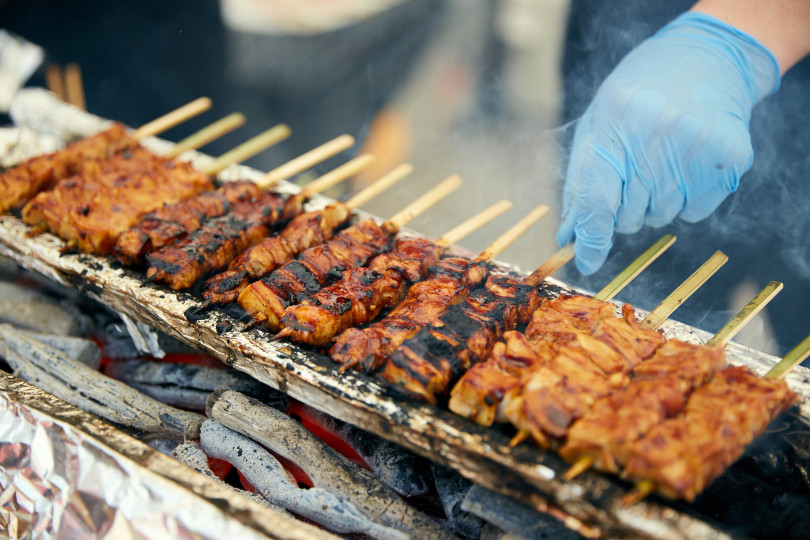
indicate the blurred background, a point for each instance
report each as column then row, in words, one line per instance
column 472, row 87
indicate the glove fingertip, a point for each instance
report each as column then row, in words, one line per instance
column 565, row 234
column 589, row 259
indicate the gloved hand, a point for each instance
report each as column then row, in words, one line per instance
column 666, row 135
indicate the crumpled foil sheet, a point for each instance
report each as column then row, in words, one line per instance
column 58, row 482
column 18, row 61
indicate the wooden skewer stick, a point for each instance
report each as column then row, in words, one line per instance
column 248, row 149
column 684, row 291
column 307, row 160
column 368, row 193
column 74, row 90
column 171, row 119
column 415, row 208
column 640, row 491
column 338, row 174
column 791, row 360
column 54, row 81
column 554, row 263
column 207, row 134
column 732, row 327
column 473, row 224
column 439, row 192
column 634, row 269
column 514, row 233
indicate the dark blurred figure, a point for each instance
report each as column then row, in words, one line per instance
column 142, row 59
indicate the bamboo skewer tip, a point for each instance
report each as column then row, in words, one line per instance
column 173, row 118
column 307, row 160
column 792, row 359
column 338, row 175
column 554, row 263
column 515, row 232
column 684, row 291
column 380, row 185
column 474, row 223
column 248, row 149
column 635, row 268
column 428, row 199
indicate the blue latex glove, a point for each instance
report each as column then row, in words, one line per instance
column 666, row 135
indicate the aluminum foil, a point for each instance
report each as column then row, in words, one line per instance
column 58, row 481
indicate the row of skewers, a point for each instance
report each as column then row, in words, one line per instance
column 604, row 390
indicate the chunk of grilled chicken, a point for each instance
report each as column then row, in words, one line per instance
column 172, row 222
column 360, row 295
column 479, row 393
column 684, row 454
column 19, row 184
column 659, row 389
column 106, row 198
column 218, row 241
column 450, row 282
column 301, row 233
column 266, row 299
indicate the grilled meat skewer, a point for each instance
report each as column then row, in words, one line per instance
column 219, row 240
column 173, row 221
column 659, row 389
column 92, row 208
column 303, row 232
column 363, row 293
column 266, row 300
column 450, row 282
column 425, row 364
column 21, row 183
column 682, row 455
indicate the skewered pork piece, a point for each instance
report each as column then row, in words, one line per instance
column 681, row 456
column 450, row 283
column 480, row 391
column 486, row 393
column 360, row 294
column 303, row 232
column 363, row 293
column 171, row 222
column 220, row 239
column 107, row 198
column 590, row 367
column 19, row 184
column 424, row 365
column 267, row 299
column 659, row 389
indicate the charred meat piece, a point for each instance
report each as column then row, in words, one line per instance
column 174, row 221
column 217, row 242
column 590, row 367
column 266, row 300
column 19, row 184
column 424, row 366
column 106, row 198
column 607, row 432
column 450, row 282
column 360, row 295
column 303, row 232
column 485, row 392
column 682, row 455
